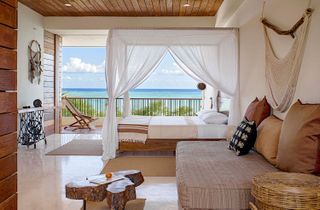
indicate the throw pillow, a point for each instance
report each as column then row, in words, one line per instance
column 204, row 111
column 258, row 110
column 214, row 118
column 299, row 144
column 244, row 137
column 251, row 109
column 268, row 134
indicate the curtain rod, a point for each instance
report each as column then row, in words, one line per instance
column 181, row 28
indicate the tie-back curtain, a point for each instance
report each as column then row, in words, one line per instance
column 209, row 55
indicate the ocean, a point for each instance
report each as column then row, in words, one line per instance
column 136, row 93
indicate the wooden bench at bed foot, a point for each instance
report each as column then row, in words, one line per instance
column 156, row 145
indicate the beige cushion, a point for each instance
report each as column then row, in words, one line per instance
column 268, row 138
column 299, row 149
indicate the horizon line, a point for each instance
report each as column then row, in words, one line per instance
column 139, row 88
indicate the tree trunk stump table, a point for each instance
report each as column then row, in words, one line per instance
column 117, row 193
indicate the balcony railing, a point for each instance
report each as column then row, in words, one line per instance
column 96, row 107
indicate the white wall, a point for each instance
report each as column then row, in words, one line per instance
column 30, row 27
column 85, row 40
column 283, row 13
column 102, row 23
column 226, row 11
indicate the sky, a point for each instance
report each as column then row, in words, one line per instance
column 83, row 67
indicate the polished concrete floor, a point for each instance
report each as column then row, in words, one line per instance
column 42, row 179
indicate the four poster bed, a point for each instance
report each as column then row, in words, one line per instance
column 207, row 55
column 162, row 133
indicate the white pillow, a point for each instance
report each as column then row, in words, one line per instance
column 214, row 118
column 203, row 112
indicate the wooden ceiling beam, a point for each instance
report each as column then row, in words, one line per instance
column 156, row 7
column 210, row 6
column 215, row 8
column 203, row 6
column 110, row 8
column 163, row 7
column 189, row 9
column 196, row 7
column 169, row 7
column 150, row 7
column 175, row 8
column 136, row 7
column 116, row 7
column 182, row 9
column 143, row 8
column 124, row 7
column 90, row 8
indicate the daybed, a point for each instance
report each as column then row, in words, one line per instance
column 209, row 176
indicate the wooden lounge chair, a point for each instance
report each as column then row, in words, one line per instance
column 82, row 121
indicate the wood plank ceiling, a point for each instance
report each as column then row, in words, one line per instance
column 124, row 7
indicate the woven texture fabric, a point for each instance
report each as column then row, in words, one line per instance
column 211, row 177
column 282, row 73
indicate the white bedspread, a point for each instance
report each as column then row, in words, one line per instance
column 177, row 127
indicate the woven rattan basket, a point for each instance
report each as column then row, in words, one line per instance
column 282, row 191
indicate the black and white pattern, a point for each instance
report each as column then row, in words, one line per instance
column 244, row 138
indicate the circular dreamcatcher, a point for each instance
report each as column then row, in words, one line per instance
column 35, row 69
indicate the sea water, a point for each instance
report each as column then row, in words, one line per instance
column 136, row 93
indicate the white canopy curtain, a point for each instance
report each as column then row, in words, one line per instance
column 209, row 55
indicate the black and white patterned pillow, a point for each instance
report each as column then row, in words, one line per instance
column 244, row 138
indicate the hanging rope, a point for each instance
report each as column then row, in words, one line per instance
column 262, row 12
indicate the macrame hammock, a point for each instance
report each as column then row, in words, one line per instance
column 282, row 73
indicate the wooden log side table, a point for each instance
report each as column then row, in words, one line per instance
column 117, row 193
column 283, row 191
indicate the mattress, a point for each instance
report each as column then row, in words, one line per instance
column 177, row 127
column 209, row 176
